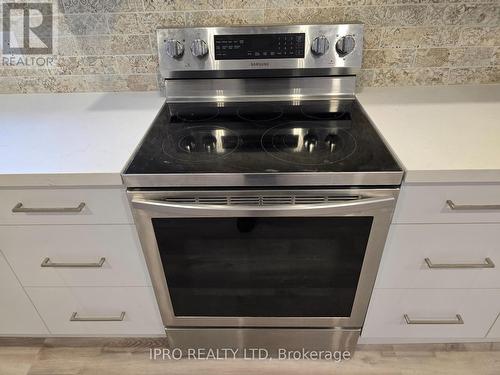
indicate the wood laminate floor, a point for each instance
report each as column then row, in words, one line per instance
column 62, row 356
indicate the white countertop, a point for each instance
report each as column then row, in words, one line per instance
column 71, row 139
column 442, row 133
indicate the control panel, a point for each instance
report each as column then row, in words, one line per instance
column 337, row 48
column 264, row 46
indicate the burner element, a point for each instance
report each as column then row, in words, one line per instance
column 209, row 143
column 195, row 115
column 199, row 144
column 302, row 145
column 261, row 113
column 310, row 142
column 325, row 111
column 325, row 115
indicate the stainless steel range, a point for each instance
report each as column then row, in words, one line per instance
column 262, row 193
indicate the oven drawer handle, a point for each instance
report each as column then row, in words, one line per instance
column 20, row 208
column 488, row 263
column 458, row 320
column 471, row 207
column 365, row 203
column 75, row 318
column 48, row 263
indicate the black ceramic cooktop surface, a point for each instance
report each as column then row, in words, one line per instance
column 270, row 137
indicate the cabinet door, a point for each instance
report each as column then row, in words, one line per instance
column 74, row 255
column 64, row 206
column 441, row 256
column 17, row 314
column 431, row 313
column 448, row 203
column 99, row 311
column 495, row 330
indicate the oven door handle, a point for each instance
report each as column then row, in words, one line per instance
column 192, row 209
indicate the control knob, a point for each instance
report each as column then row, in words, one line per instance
column 345, row 45
column 175, row 49
column 199, row 48
column 320, row 45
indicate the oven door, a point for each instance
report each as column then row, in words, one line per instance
column 263, row 258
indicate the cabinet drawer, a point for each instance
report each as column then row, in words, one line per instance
column 75, row 255
column 97, row 311
column 64, row 206
column 448, row 204
column 444, row 256
column 17, row 314
column 495, row 329
column 386, row 314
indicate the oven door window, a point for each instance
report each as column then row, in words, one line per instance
column 263, row 267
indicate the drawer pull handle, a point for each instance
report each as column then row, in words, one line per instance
column 457, row 320
column 75, row 318
column 488, row 263
column 471, row 207
column 48, row 263
column 20, row 208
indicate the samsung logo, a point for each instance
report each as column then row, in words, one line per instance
column 259, row 64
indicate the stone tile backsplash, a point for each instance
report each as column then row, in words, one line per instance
column 110, row 45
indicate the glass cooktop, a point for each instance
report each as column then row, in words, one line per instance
column 262, row 137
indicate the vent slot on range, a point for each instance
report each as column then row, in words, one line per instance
column 180, row 200
column 245, row 201
column 310, row 199
column 265, row 200
column 276, row 200
column 213, row 200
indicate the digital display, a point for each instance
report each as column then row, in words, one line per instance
column 262, row 46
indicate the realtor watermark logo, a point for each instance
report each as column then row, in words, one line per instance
column 260, row 354
column 27, row 34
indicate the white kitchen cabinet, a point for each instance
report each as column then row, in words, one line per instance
column 17, row 314
column 428, row 204
column 478, row 308
column 441, row 258
column 111, row 254
column 82, row 206
column 444, row 246
column 79, row 265
column 98, row 311
column 494, row 332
